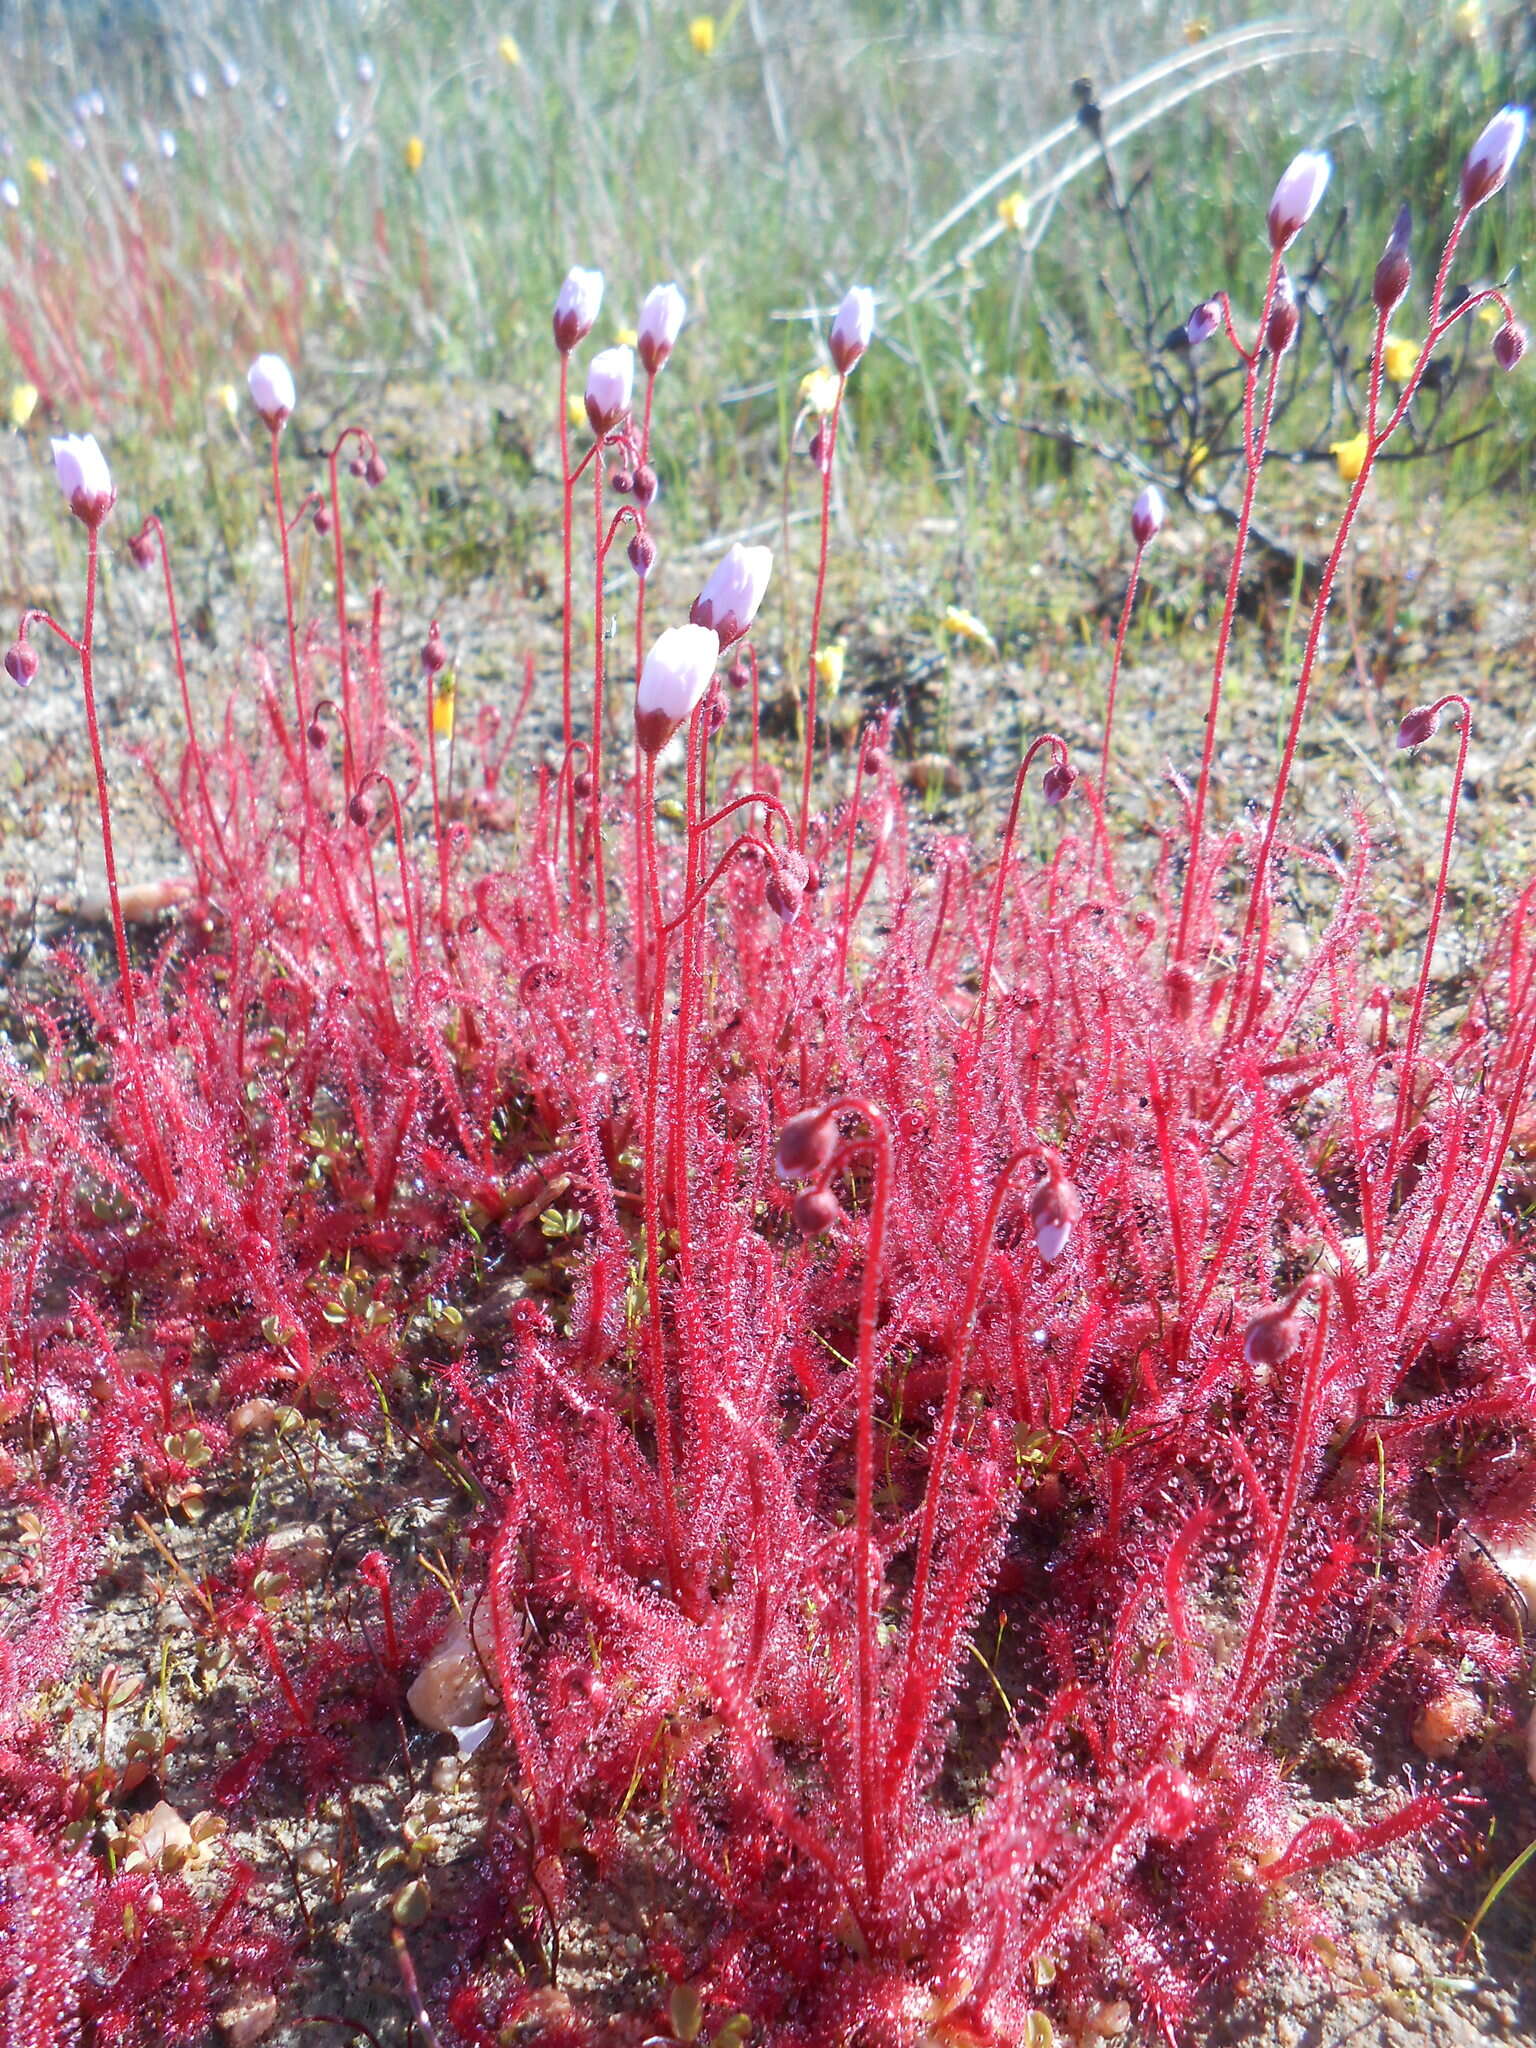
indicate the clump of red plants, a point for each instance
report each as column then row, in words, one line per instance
column 1026, row 1359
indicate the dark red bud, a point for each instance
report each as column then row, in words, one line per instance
column 1508, row 345
column 621, row 481
column 1280, row 331
column 805, row 1145
column 581, row 786
column 141, row 549
column 821, row 446
column 316, row 733
column 375, row 469
column 358, row 466
column 1394, row 272
column 1057, row 782
column 815, row 1211
column 21, row 662
column 1419, row 726
column 360, row 811
column 876, row 761
column 434, row 655
column 645, row 485
column 738, row 675
column 322, row 519
column 642, row 555
column 714, row 712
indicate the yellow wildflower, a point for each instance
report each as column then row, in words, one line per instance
column 1400, row 358
column 227, row 398
column 701, row 33
column 1196, row 31
column 1491, row 313
column 508, row 51
column 1199, row 455
column 576, row 409
column 818, row 391
column 444, row 691
column 39, row 170
column 830, row 663
column 415, row 154
column 23, row 403
column 1350, row 455
column 1013, row 211
column 625, row 337
column 966, row 626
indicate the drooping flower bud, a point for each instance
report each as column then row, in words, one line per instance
column 610, row 384
column 1276, row 1331
column 1394, row 272
column 728, row 603
column 1055, row 1209
column 661, row 321
column 645, row 484
column 141, row 551
column 785, row 888
column 1284, row 318
column 272, row 390
column 375, row 469
column 852, row 328
column 84, row 477
column 360, row 810
column 434, row 655
column 805, row 1146
column 714, row 712
column 577, row 306
column 676, row 674
column 1147, row 516
column 1491, row 156
column 1057, row 781
column 1296, row 197
column 1509, row 345
column 322, row 520
column 1203, row 322
column 21, row 662
column 642, row 555
column 1419, row 725
column 738, row 675
column 815, row 1210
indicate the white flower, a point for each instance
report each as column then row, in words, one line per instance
column 10, row 193
column 167, row 144
column 130, row 177
column 1490, row 157
column 577, row 305
column 1296, row 196
column 271, row 383
column 610, row 384
column 728, row 603
column 661, row 321
column 677, row 672
column 1147, row 516
column 852, row 327
column 197, row 85
column 84, row 477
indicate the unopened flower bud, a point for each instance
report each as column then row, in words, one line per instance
column 1055, row 1210
column 645, row 485
column 1147, row 516
column 1057, row 781
column 738, row 675
column 728, row 603
column 661, row 321
column 21, row 662
column 577, row 306
column 852, row 328
column 1203, row 322
column 1490, row 157
column 581, row 786
column 1296, row 197
column 784, row 891
column 714, row 712
column 1394, row 272
column 1276, row 1331
column 357, row 467
column 876, row 760
column 1419, row 726
column 322, row 520
column 815, row 1210
column 672, row 683
column 316, row 733
column 642, row 555
column 610, row 385
column 805, row 1146
column 141, row 551
column 359, row 810
column 272, row 390
column 621, row 481
column 84, row 477
column 375, row 469
column 434, row 655
column 1280, row 328
column 1509, row 345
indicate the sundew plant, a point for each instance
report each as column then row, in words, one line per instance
column 952, row 1362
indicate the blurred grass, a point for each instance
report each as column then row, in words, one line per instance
column 814, row 143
